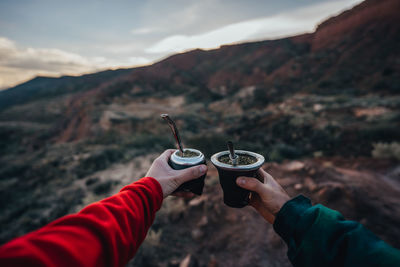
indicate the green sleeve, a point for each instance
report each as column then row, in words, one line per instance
column 318, row 236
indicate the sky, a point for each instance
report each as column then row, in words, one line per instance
column 71, row 37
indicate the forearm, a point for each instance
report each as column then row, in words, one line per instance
column 318, row 236
column 106, row 233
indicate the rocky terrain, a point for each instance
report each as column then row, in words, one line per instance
column 323, row 108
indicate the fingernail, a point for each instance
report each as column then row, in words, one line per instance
column 241, row 181
column 202, row 169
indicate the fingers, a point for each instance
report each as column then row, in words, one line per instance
column 191, row 173
column 184, row 194
column 166, row 154
column 268, row 179
column 252, row 184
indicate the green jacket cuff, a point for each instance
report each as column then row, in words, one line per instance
column 289, row 215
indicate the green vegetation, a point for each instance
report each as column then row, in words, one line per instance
column 386, row 150
column 103, row 188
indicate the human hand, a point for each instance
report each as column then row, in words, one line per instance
column 268, row 197
column 171, row 179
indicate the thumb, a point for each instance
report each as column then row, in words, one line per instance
column 251, row 184
column 191, row 173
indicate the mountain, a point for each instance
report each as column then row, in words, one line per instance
column 329, row 100
column 48, row 87
column 369, row 31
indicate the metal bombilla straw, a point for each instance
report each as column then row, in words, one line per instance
column 174, row 130
column 232, row 156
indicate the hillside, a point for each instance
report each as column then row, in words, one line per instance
column 328, row 100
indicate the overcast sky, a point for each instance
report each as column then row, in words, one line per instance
column 55, row 37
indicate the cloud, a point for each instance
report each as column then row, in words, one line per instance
column 281, row 25
column 18, row 64
column 138, row 61
column 145, row 30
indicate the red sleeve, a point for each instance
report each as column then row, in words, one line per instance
column 106, row 233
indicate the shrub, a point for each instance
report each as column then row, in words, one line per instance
column 280, row 152
column 386, row 150
column 150, row 142
column 103, row 188
column 202, row 95
column 385, row 132
column 92, row 180
column 99, row 160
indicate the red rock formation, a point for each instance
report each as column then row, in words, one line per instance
column 367, row 14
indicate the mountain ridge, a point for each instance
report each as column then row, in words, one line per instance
column 326, row 35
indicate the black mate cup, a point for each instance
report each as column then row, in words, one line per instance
column 235, row 196
column 178, row 162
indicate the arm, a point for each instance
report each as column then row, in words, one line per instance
column 106, row 233
column 316, row 235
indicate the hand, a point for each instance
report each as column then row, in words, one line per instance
column 171, row 179
column 268, row 197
